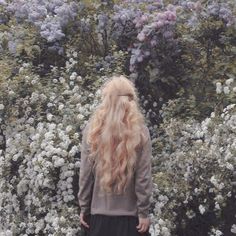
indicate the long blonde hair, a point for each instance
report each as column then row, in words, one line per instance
column 115, row 133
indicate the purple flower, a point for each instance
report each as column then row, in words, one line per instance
column 159, row 24
column 3, row 2
column 50, row 17
column 153, row 42
column 191, row 5
column 168, row 34
column 171, row 15
column 141, row 36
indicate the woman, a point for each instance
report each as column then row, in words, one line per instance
column 115, row 182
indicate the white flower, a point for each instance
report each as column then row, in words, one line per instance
column 80, row 117
column 229, row 166
column 7, row 233
column 217, row 206
column 33, row 81
column 59, row 162
column 69, row 180
column 61, row 106
column 73, row 76
column 161, row 222
column 218, row 233
column 62, row 80
column 1, row 106
column 79, row 78
column 196, row 190
column 230, row 106
column 201, row 209
column 213, row 180
column 62, row 219
column 69, row 128
column 21, row 69
column 156, row 229
column 165, row 231
column 212, row 114
column 226, row 90
column 49, row 117
column 11, row 92
column 221, row 186
column 75, row 54
column 218, row 87
column 190, row 214
column 229, row 81
column 227, row 116
column 233, row 229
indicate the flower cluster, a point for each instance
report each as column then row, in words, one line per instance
column 227, row 88
column 203, row 154
column 223, row 11
column 149, row 30
column 51, row 17
column 219, row 10
column 41, row 157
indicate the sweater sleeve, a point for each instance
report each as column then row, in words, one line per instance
column 86, row 178
column 143, row 178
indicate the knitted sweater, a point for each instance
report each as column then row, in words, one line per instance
column 135, row 201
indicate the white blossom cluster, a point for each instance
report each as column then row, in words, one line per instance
column 196, row 160
column 228, row 87
column 40, row 165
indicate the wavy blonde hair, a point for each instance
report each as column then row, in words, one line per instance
column 115, row 134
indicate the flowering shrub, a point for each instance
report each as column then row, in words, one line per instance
column 41, row 124
column 51, row 17
column 200, row 158
column 39, row 161
column 54, row 57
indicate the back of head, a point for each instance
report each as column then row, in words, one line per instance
column 116, row 133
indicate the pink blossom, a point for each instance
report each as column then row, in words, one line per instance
column 141, row 36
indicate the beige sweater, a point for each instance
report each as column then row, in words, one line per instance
column 135, row 201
